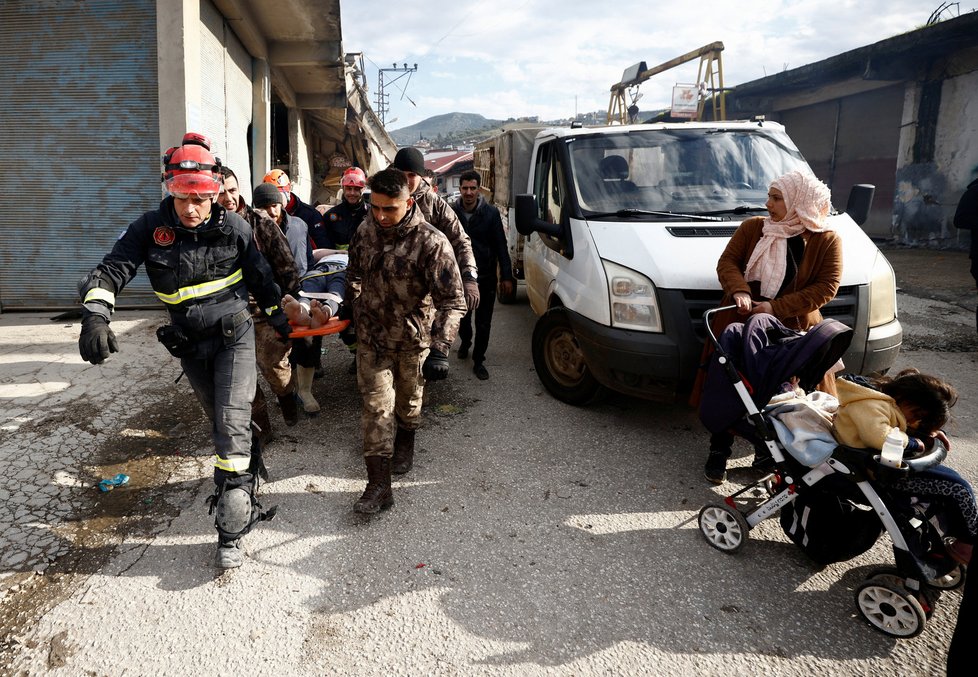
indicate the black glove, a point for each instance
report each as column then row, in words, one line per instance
column 280, row 323
column 97, row 341
column 471, row 294
column 435, row 368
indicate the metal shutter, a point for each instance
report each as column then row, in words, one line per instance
column 226, row 96
column 79, row 146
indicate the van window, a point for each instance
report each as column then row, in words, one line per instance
column 549, row 185
column 680, row 170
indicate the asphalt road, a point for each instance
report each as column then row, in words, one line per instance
column 531, row 537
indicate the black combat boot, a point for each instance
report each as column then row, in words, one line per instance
column 377, row 496
column 403, row 458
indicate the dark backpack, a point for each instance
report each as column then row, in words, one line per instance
column 830, row 521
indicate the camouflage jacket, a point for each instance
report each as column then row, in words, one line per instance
column 275, row 248
column 438, row 213
column 400, row 277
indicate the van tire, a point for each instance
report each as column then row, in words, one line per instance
column 559, row 360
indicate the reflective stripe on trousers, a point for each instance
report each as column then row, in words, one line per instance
column 225, row 386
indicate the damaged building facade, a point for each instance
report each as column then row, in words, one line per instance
column 901, row 114
column 95, row 90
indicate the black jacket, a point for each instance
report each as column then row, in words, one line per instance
column 201, row 274
column 485, row 228
column 966, row 215
column 339, row 224
column 309, row 214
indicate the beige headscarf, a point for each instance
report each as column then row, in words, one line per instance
column 808, row 202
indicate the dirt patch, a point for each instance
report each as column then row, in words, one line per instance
column 153, row 448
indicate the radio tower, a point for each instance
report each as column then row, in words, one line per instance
column 384, row 80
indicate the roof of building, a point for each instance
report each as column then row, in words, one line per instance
column 441, row 161
column 902, row 57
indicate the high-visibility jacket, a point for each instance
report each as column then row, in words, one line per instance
column 200, row 274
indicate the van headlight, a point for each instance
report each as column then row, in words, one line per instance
column 633, row 303
column 882, row 292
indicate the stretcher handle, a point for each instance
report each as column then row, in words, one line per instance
column 334, row 326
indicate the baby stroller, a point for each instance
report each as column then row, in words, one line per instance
column 833, row 505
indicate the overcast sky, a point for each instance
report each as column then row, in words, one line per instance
column 553, row 58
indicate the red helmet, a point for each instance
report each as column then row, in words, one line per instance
column 354, row 176
column 191, row 168
column 280, row 179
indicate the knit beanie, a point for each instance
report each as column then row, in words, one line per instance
column 409, row 160
column 267, row 194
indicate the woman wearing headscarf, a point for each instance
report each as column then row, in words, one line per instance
column 788, row 265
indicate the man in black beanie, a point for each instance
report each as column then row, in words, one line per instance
column 438, row 213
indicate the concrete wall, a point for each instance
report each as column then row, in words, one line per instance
column 178, row 54
column 843, row 149
column 959, row 150
column 935, row 165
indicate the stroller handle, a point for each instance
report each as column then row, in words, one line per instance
column 932, row 458
column 708, row 315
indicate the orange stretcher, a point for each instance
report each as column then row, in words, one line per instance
column 333, row 326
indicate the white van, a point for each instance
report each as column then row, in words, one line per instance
column 624, row 226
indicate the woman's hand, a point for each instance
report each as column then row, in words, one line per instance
column 762, row 307
column 742, row 299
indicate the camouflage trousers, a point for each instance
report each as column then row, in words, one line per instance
column 392, row 388
column 272, row 357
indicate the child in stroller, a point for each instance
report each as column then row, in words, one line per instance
column 834, row 500
column 918, row 404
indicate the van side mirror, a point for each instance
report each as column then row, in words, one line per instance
column 860, row 202
column 527, row 222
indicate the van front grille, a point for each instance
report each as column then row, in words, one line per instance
column 701, row 231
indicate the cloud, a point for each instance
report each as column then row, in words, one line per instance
column 538, row 56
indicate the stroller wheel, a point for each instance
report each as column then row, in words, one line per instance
column 928, row 596
column 890, row 608
column 723, row 527
column 952, row 580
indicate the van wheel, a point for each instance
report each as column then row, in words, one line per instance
column 559, row 361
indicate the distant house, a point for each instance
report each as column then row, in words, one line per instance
column 898, row 114
column 445, row 167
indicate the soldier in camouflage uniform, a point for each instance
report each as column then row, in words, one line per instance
column 439, row 213
column 401, row 272
column 272, row 353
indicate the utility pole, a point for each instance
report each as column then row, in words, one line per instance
column 383, row 80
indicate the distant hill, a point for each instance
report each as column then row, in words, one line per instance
column 448, row 128
column 463, row 129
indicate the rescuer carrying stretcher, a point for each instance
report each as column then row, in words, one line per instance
column 201, row 261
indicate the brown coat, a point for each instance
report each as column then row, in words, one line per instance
column 814, row 285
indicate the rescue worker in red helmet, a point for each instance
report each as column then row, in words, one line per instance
column 201, row 261
column 342, row 220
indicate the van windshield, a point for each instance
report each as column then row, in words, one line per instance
column 687, row 171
